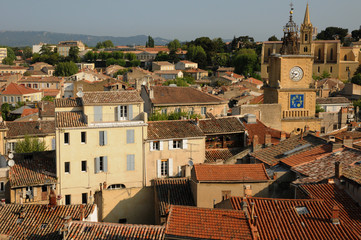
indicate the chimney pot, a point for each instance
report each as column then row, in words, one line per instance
column 82, row 212
column 317, row 133
column 283, row 136
column 255, row 143
column 105, row 185
column 335, row 219
column 52, row 198
column 268, row 139
column 338, row 170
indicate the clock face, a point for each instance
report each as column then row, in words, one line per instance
column 296, row 74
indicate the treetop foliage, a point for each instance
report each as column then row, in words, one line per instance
column 30, row 144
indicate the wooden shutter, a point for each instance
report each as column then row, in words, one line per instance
column 130, row 112
column 101, row 138
column 98, row 113
column 130, row 136
column 130, row 162
column 170, row 167
column 161, row 145
column 96, row 165
column 159, row 165
column 116, row 114
column 185, row 144
column 151, row 146
column 105, row 138
column 105, row 164
column 53, row 144
column 170, row 144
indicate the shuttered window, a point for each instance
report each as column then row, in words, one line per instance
column 98, row 113
column 102, row 138
column 130, row 136
column 130, row 162
column 101, row 164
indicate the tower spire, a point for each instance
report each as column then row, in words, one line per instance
column 290, row 39
column 307, row 16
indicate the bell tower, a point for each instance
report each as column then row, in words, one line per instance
column 306, row 34
column 290, row 43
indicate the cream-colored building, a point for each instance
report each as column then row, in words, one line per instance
column 327, row 55
column 99, row 138
column 64, row 47
column 185, row 64
column 171, row 146
column 14, row 93
column 3, row 53
column 12, row 69
column 162, row 66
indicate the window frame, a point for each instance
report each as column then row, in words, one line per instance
column 84, row 196
column 83, row 137
column 67, row 138
column 130, row 162
column 67, row 199
column 164, row 165
column 82, row 166
column 203, row 110
column 177, row 143
column 2, row 186
column 67, row 167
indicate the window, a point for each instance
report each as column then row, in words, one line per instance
column 83, row 137
column 334, row 126
column 5, row 99
column 102, row 138
column 12, row 99
column 305, row 49
column 345, row 58
column 301, row 210
column 177, row 144
column 116, row 186
column 67, row 167
column 44, row 188
column 67, row 199
column 267, row 69
column 130, row 136
column 35, row 85
column 164, row 111
column 84, row 199
column 203, row 110
column 66, row 138
column 19, row 99
column 331, row 54
column 130, row 162
column 319, row 54
column 191, row 111
column 323, row 130
column 164, row 168
column 101, row 164
column 11, row 146
column 268, row 52
column 347, row 69
column 155, row 146
column 122, row 112
column 2, row 186
column 331, row 69
column 122, row 220
column 226, row 194
column 177, row 110
column 83, row 166
column 306, row 37
column 98, row 113
column 318, row 69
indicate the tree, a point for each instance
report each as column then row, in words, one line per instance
column 45, row 50
column 174, row 45
column 245, row 62
column 161, row 56
column 27, row 53
column 134, row 63
column 332, row 33
column 65, row 69
column 356, row 79
column 121, row 72
column 273, row 38
column 105, row 44
column 8, row 61
column 48, row 98
column 356, row 35
column 198, row 55
column 319, row 108
column 5, row 110
column 157, row 116
column 30, row 144
column 358, row 70
column 74, row 54
column 150, row 42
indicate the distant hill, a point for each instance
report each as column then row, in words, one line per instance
column 29, row 38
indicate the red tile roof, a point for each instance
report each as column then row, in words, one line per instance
column 96, row 230
column 70, row 119
column 172, row 191
column 39, row 222
column 308, row 156
column 230, row 172
column 350, row 211
column 68, row 102
column 51, row 92
column 173, row 129
column 280, row 219
column 212, row 155
column 202, row 223
column 46, row 109
column 254, row 81
column 29, row 111
column 30, row 128
column 353, row 173
column 112, row 97
column 257, row 100
column 221, row 125
column 182, row 95
column 15, row 89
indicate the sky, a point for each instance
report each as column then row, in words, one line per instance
column 170, row 19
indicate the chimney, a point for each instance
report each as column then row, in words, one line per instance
column 247, row 191
column 335, row 219
column 307, row 128
column 151, row 93
column 347, row 141
column 2, row 203
column 338, row 170
column 317, row 133
column 52, row 198
column 105, row 185
column 197, row 121
column 255, row 143
column 82, row 212
column 283, row 136
column 244, row 205
column 22, row 212
column 267, row 140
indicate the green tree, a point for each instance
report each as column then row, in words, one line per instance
column 161, row 56
column 5, row 111
column 65, row 69
column 27, row 53
column 74, row 54
column 331, row 33
column 198, row 55
column 121, row 72
column 174, row 45
column 45, row 50
column 30, row 144
column 273, row 38
column 8, row 61
column 105, row 44
column 356, row 35
column 245, row 62
column 48, row 99
column 358, row 70
column 356, row 79
column 157, row 116
column 134, row 63
column 150, row 42
column 319, row 108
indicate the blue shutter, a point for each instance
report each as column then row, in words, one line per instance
column 105, row 138
column 96, row 165
column 130, row 162
column 130, row 112
column 53, row 144
column 98, row 113
column 130, row 136
column 105, row 163
column 116, row 114
column 101, row 138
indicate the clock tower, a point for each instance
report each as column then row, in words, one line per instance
column 291, row 84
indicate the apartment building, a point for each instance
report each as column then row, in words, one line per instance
column 64, row 47
column 3, row 53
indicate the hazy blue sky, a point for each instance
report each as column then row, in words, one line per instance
column 185, row 20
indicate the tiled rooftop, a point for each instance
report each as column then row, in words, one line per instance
column 37, row 171
column 30, row 128
column 15, row 89
column 308, row 156
column 102, row 231
column 230, row 172
column 47, row 109
column 294, row 219
column 182, row 95
column 221, row 125
column 332, row 100
column 93, row 98
column 353, row 173
column 68, row 102
column 70, row 119
column 172, row 191
column 39, row 222
column 173, row 129
column 212, row 155
column 203, row 223
column 40, row 79
column 274, row 154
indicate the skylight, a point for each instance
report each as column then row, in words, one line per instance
column 302, row 210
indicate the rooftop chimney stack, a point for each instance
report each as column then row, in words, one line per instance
column 151, row 93
column 335, row 219
column 82, row 212
column 283, row 136
column 52, row 198
column 268, row 140
column 317, row 133
column 338, row 170
column 255, row 143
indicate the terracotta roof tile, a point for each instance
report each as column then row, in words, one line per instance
column 29, row 111
column 70, row 119
column 203, row 223
column 39, row 170
column 173, row 191
column 182, row 95
column 307, row 156
column 31, row 128
column 221, row 125
column 353, row 173
column 254, row 81
column 15, row 89
column 101, row 231
column 40, row 222
column 91, row 98
column 68, row 102
column 257, row 100
column 212, row 155
column 332, row 100
column 173, row 129
column 50, row 79
column 230, row 172
column 46, row 109
column 51, row 92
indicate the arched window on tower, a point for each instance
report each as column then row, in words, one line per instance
column 345, row 58
column 331, row 54
column 305, row 49
column 319, row 54
column 306, row 37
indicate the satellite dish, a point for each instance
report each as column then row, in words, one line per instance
column 190, row 163
column 11, row 155
column 80, row 94
column 11, row 163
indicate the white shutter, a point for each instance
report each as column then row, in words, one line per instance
column 159, row 165
column 116, row 117
column 170, row 144
column 179, row 171
column 170, row 167
column 185, row 144
column 161, row 145
column 150, row 146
